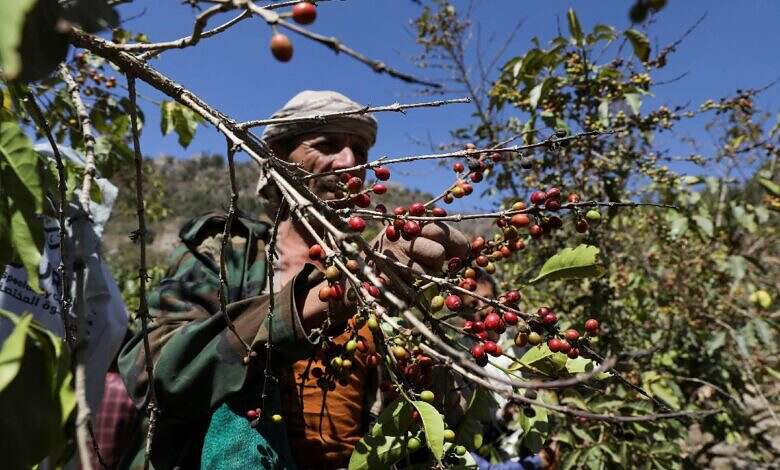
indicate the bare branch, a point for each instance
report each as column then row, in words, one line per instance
column 395, row 107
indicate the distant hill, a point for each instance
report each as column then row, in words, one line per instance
column 177, row 189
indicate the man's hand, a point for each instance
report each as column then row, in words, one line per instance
column 428, row 252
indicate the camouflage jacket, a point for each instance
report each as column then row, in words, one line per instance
column 198, row 361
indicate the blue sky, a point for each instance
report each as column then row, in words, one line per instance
column 735, row 47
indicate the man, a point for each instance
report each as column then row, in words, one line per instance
column 207, row 393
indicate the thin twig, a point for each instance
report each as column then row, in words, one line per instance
column 224, row 245
column 395, row 107
column 86, row 132
column 143, row 308
column 273, row 18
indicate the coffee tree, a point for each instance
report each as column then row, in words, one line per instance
column 688, row 304
column 596, row 347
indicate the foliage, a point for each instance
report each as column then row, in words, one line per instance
column 689, row 295
column 40, row 376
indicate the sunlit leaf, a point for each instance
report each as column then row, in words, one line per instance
column 639, row 42
column 12, row 351
column 571, row 263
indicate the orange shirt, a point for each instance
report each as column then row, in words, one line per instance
column 327, row 424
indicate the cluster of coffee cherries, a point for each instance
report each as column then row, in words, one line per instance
column 86, row 71
column 254, row 415
column 477, row 168
column 567, row 343
column 360, row 196
column 411, row 362
column 302, row 13
column 338, row 361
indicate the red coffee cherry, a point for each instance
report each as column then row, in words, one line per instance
column 354, row 184
column 454, row 264
column 520, row 220
column 513, row 296
column 565, row 346
column 304, row 13
column 281, row 47
column 458, row 167
column 592, row 326
column 572, row 334
column 573, row 198
column 582, row 226
column 381, row 208
column 453, row 302
column 490, row 347
column 552, row 205
column 553, row 193
column 361, row 200
column 477, row 351
column 476, row 176
column 573, row 353
column 510, row 318
column 538, row 197
column 543, row 311
column 477, row 244
column 356, row 224
column 554, row 344
column 392, row 233
column 344, row 177
column 417, row 209
column 411, row 230
column 439, row 212
column 315, row 252
column 372, row 360
column 382, row 173
column 252, row 415
column 467, row 188
column 536, row 232
column 478, row 327
column 399, row 211
column 482, row 261
column 550, row 319
column 492, row 321
column 379, row 188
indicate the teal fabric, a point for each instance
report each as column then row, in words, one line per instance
column 232, row 443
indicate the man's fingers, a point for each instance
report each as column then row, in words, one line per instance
column 454, row 241
column 427, row 252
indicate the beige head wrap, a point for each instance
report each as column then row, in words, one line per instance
column 311, row 103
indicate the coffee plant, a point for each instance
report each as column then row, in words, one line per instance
column 619, row 315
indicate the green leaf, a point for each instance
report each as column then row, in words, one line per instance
column 385, row 444
column 535, row 95
column 772, row 187
column 603, row 32
column 12, row 351
column 716, row 342
column 574, row 26
column 640, row 43
column 634, row 102
column 603, row 110
column 44, row 385
column 571, row 263
column 535, row 429
column 541, row 359
column 91, row 15
column 23, row 194
column 12, row 14
column 433, row 423
column 179, row 118
column 705, row 225
column 479, row 411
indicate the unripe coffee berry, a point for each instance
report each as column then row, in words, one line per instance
column 427, row 396
column 437, row 303
column 534, row 338
column 521, row 339
column 593, row 215
column 276, row 418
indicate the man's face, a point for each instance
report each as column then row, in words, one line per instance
column 324, row 152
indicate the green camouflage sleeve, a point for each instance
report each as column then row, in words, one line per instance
column 197, row 360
